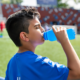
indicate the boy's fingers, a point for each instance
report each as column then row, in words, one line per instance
column 61, row 28
column 58, row 29
column 54, row 30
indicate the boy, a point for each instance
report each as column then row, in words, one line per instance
column 25, row 30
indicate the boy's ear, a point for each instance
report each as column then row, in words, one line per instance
column 24, row 36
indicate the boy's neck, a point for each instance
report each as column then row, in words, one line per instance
column 22, row 49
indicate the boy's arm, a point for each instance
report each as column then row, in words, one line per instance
column 73, row 61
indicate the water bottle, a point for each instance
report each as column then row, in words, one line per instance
column 49, row 35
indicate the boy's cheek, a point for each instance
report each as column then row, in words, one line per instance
column 36, row 35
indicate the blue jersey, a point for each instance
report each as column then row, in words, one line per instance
column 30, row 66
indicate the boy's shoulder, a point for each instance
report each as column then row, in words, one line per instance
column 12, row 59
column 24, row 56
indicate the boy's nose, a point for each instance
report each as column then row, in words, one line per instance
column 42, row 30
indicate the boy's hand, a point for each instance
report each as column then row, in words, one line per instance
column 61, row 34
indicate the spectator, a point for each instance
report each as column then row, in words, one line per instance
column 2, row 25
column 46, row 27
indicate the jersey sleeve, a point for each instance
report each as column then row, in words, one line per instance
column 51, row 70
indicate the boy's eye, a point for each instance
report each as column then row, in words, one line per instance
column 37, row 27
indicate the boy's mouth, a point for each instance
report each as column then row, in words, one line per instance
column 43, row 37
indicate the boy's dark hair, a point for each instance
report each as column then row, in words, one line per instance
column 19, row 22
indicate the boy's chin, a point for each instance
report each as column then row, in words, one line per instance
column 42, row 42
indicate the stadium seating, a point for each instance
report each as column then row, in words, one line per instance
column 48, row 15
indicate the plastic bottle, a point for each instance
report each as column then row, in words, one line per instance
column 49, row 35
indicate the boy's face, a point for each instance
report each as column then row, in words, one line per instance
column 35, row 32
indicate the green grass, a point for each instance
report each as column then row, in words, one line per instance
column 52, row 50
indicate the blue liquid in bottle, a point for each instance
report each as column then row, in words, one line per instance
column 49, row 35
